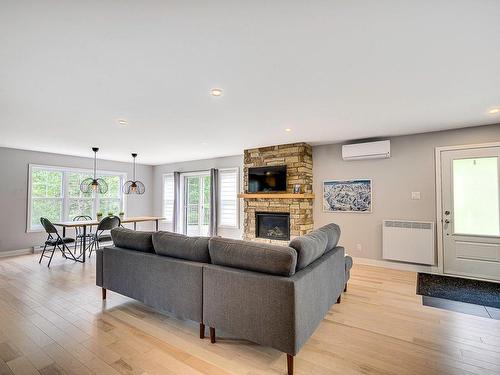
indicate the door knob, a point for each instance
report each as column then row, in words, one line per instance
column 447, row 212
column 447, row 221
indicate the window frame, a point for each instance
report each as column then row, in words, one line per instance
column 65, row 198
column 219, row 199
column 163, row 200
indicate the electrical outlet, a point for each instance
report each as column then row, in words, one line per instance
column 359, row 247
column 415, row 195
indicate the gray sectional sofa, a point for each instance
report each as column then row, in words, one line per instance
column 268, row 294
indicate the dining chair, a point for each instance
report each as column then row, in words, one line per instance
column 55, row 240
column 79, row 231
column 106, row 224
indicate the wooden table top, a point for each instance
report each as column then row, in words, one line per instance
column 83, row 223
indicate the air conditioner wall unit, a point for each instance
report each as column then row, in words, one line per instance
column 367, row 150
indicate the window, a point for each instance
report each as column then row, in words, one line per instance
column 54, row 193
column 475, row 196
column 195, row 200
column 228, row 198
column 111, row 201
column 168, row 198
column 78, row 203
column 46, row 196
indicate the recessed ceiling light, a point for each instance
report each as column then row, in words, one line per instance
column 494, row 111
column 216, row 92
column 288, row 130
column 122, row 122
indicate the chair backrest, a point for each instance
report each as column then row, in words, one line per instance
column 78, row 230
column 82, row 218
column 108, row 223
column 48, row 226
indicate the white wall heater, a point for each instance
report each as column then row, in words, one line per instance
column 409, row 241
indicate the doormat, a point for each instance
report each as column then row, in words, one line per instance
column 457, row 289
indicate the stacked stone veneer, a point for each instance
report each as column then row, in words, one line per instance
column 298, row 159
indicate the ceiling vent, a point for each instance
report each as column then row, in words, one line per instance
column 368, row 150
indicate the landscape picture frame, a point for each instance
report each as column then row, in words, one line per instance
column 348, row 196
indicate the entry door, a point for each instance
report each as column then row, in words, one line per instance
column 471, row 212
column 197, row 204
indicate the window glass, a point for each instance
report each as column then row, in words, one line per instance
column 475, row 196
column 56, row 195
column 78, row 203
column 46, row 196
column 110, row 202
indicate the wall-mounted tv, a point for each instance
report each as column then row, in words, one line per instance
column 267, row 179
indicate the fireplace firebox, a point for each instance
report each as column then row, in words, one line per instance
column 272, row 225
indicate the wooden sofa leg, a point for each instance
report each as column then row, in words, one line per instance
column 339, row 299
column 289, row 364
column 345, row 288
column 103, row 294
column 212, row 335
column 202, row 331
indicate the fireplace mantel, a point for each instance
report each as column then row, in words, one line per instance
column 276, row 196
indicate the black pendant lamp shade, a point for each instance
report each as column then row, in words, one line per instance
column 94, row 184
column 133, row 186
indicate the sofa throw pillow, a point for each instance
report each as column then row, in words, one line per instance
column 309, row 247
column 332, row 231
column 253, row 256
column 180, row 246
column 132, row 239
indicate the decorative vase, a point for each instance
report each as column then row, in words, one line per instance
column 99, row 217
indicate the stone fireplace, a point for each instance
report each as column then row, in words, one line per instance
column 266, row 215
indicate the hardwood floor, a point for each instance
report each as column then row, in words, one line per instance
column 52, row 321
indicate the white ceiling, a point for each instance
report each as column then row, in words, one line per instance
column 329, row 70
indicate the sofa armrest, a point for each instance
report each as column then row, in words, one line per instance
column 99, row 255
column 276, row 311
column 317, row 288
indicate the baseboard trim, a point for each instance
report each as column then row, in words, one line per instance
column 13, row 253
column 394, row 265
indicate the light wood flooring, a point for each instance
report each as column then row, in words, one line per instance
column 53, row 321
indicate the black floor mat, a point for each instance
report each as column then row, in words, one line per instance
column 457, row 289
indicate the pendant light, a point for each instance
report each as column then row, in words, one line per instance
column 133, row 186
column 95, row 184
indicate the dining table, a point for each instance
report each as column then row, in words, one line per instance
column 84, row 224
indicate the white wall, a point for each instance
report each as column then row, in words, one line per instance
column 14, row 192
column 410, row 168
column 197, row 165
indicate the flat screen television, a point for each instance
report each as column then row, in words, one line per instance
column 267, row 179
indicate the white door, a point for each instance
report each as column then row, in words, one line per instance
column 196, row 204
column 471, row 212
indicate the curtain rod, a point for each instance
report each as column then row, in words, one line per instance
column 199, row 170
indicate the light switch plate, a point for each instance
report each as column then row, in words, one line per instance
column 415, row 195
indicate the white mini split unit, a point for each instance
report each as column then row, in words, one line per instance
column 367, row 150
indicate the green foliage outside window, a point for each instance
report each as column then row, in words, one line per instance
column 56, row 195
column 194, row 200
column 46, row 195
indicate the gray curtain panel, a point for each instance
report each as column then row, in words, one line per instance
column 214, row 201
column 177, row 201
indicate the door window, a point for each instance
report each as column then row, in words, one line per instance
column 476, row 196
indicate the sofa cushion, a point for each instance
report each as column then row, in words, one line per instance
column 332, row 231
column 253, row 256
column 181, row 246
column 132, row 239
column 309, row 247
